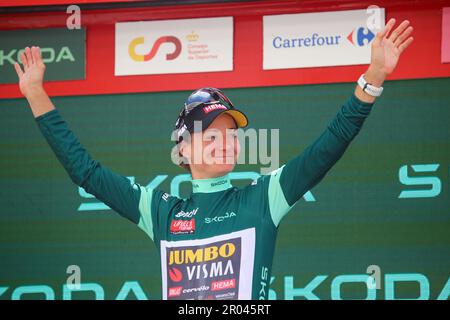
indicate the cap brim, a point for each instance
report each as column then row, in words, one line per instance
column 239, row 118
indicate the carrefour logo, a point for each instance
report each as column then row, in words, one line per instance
column 314, row 40
column 154, row 49
column 360, row 36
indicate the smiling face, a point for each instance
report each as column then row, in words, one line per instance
column 213, row 152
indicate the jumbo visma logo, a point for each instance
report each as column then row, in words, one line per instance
column 360, row 36
column 189, row 256
column 202, row 263
column 154, row 50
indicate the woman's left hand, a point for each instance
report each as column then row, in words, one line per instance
column 386, row 50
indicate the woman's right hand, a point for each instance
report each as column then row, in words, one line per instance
column 31, row 78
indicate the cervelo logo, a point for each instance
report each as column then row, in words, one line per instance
column 184, row 214
column 146, row 57
column 176, row 291
column 213, row 107
column 360, row 36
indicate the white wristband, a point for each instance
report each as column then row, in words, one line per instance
column 368, row 88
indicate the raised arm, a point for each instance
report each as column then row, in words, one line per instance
column 131, row 201
column 290, row 182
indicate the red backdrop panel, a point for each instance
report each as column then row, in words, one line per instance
column 421, row 60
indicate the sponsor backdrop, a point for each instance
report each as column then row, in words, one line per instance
column 382, row 210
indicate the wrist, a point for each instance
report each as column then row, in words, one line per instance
column 35, row 91
column 375, row 77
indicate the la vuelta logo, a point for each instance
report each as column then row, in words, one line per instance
column 146, row 57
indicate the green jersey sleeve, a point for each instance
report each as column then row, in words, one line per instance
column 132, row 201
column 291, row 181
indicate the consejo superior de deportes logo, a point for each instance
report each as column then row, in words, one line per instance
column 154, row 49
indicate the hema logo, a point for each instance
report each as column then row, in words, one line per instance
column 146, row 57
column 360, row 36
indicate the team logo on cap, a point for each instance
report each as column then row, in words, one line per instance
column 213, row 107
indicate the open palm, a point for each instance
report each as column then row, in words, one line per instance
column 32, row 75
column 387, row 50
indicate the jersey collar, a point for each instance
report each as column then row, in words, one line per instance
column 211, row 185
